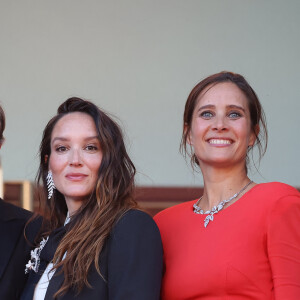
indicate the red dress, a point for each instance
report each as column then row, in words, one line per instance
column 250, row 251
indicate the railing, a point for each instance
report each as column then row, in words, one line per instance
column 19, row 193
column 151, row 199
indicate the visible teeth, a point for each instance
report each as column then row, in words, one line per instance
column 217, row 141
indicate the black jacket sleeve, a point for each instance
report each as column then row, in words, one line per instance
column 135, row 258
column 14, row 250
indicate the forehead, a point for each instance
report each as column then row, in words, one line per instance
column 226, row 93
column 74, row 124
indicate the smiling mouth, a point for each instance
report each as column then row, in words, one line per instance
column 219, row 142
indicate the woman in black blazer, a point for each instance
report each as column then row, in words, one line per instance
column 96, row 243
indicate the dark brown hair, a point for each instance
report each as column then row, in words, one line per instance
column 257, row 115
column 111, row 198
column 2, row 125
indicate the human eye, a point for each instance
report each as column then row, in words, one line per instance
column 234, row 115
column 206, row 114
column 91, row 147
column 61, row 148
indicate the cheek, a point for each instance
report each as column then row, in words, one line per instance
column 197, row 132
column 56, row 163
column 248, row 137
column 94, row 165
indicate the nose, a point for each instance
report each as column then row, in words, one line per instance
column 75, row 158
column 220, row 123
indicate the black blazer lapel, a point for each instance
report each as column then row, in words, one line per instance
column 33, row 279
column 54, row 285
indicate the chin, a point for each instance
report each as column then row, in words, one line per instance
column 78, row 195
column 219, row 162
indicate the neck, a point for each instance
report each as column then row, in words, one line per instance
column 73, row 205
column 221, row 184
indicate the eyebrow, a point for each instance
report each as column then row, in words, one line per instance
column 63, row 139
column 237, row 107
column 228, row 106
column 206, row 106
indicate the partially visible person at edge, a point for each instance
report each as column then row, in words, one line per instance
column 14, row 249
column 97, row 243
column 240, row 239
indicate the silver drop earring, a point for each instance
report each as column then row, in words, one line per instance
column 50, row 184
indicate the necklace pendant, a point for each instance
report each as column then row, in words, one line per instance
column 208, row 219
column 217, row 208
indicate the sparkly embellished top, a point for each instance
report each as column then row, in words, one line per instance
column 250, row 251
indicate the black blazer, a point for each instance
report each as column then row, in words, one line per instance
column 130, row 262
column 14, row 250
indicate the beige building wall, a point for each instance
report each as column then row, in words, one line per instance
column 139, row 60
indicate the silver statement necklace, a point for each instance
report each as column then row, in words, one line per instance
column 217, row 208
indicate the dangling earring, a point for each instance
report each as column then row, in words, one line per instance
column 50, row 184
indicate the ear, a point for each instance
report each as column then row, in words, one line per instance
column 46, row 159
column 187, row 131
column 253, row 135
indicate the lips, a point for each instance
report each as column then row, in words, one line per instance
column 76, row 176
column 218, row 141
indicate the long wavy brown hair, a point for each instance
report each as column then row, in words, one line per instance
column 111, row 198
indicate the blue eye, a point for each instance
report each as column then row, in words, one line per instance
column 206, row 114
column 234, row 115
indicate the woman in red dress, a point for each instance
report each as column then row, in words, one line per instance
column 239, row 240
